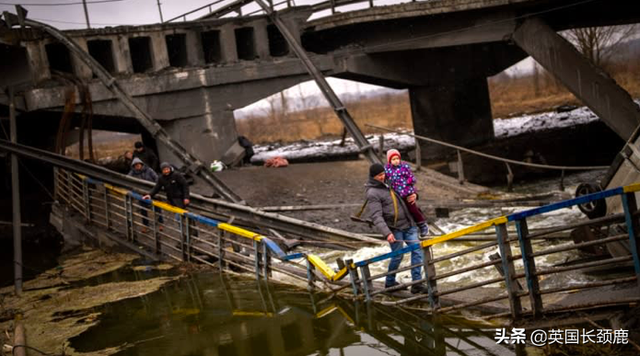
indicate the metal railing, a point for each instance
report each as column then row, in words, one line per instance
column 181, row 235
column 220, row 8
column 165, row 230
column 508, row 284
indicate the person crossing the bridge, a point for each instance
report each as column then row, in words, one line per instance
column 392, row 219
column 174, row 186
column 141, row 171
column 402, row 180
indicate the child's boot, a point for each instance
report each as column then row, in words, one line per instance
column 424, row 229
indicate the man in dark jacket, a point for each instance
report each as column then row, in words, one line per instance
column 393, row 220
column 174, row 185
column 146, row 155
column 141, row 171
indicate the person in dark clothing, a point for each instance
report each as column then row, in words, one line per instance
column 248, row 148
column 174, row 186
column 141, row 171
column 392, row 219
column 122, row 164
column 146, row 155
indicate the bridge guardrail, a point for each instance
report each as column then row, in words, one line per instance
column 506, row 262
column 185, row 236
column 220, row 8
column 178, row 233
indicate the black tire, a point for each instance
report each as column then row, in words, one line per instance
column 595, row 209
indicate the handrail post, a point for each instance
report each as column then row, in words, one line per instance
column 86, row 200
column 633, row 227
column 310, row 276
column 460, row 168
column 509, row 177
column 187, row 236
column 128, row 217
column 106, row 207
column 367, row 283
column 529, row 267
column 221, row 250
column 509, row 271
column 353, row 276
column 430, row 277
column 156, row 236
column 182, row 228
column 266, row 262
column 256, row 259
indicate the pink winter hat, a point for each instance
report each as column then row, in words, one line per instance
column 392, row 153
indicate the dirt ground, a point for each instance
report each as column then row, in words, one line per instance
column 330, row 183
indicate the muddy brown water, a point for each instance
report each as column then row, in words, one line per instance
column 209, row 313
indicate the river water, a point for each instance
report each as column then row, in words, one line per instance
column 468, row 217
column 209, row 313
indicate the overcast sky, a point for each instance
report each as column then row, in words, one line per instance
column 101, row 14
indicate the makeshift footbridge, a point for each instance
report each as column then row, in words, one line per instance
column 107, row 206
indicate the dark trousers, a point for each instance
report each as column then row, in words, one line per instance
column 414, row 209
column 143, row 212
column 178, row 202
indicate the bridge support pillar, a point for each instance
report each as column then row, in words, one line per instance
column 160, row 56
column 207, row 137
column 122, row 55
column 262, row 39
column 38, row 63
column 228, row 44
column 456, row 112
column 80, row 69
column 587, row 82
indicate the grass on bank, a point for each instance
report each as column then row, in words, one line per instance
column 510, row 96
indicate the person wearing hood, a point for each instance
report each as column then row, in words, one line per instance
column 174, row 186
column 392, row 219
column 142, row 171
column 401, row 179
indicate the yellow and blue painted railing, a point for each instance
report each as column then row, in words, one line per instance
column 331, row 275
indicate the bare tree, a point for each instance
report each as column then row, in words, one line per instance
column 598, row 44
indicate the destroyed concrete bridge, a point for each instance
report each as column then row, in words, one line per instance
column 190, row 76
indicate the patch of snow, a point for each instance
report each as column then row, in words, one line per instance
column 316, row 149
column 502, row 128
column 544, row 121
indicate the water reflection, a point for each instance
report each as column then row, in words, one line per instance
column 216, row 314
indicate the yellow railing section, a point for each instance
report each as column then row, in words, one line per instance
column 240, row 231
column 631, row 188
column 465, row 231
column 322, row 267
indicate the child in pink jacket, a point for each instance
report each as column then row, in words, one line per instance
column 401, row 179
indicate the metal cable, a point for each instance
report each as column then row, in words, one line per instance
column 496, row 158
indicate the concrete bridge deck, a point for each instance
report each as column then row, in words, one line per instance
column 192, row 75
